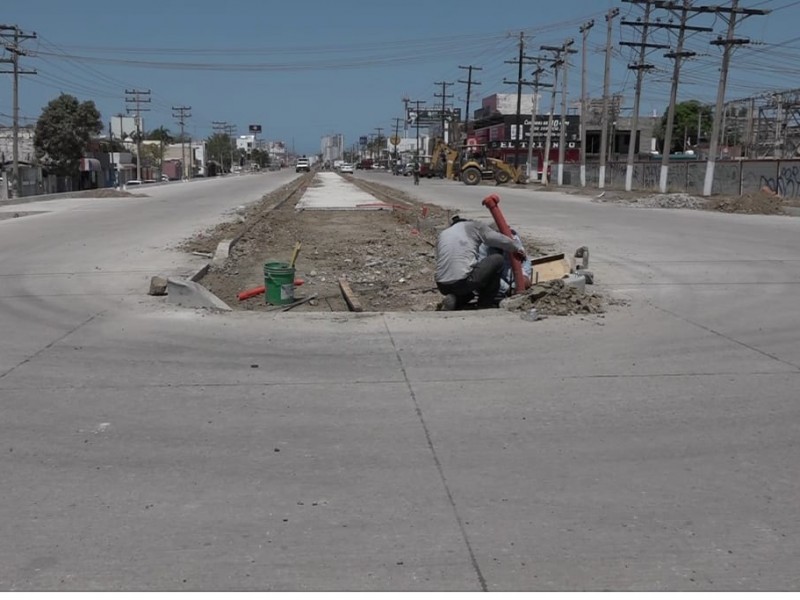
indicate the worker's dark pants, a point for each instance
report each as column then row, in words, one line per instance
column 483, row 279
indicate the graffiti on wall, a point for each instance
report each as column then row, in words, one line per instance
column 787, row 181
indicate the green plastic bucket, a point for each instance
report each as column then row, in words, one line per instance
column 279, row 281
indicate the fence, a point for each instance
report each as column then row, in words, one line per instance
column 732, row 178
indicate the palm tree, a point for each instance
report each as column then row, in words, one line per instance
column 162, row 134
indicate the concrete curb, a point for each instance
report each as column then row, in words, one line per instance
column 191, row 294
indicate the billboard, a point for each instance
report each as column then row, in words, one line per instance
column 123, row 127
column 363, row 140
column 255, row 128
column 432, row 116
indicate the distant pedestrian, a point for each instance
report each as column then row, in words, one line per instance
column 416, row 173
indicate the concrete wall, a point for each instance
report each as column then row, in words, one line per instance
column 731, row 178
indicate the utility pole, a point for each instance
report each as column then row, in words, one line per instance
column 728, row 43
column 640, row 67
column 138, row 97
column 223, row 127
column 534, row 111
column 557, row 62
column 182, row 114
column 231, row 130
column 562, row 134
column 444, row 96
column 405, row 100
column 564, row 49
column 606, row 78
column 416, row 122
column 396, row 136
column 16, row 51
column 378, row 142
column 678, row 55
column 521, row 60
column 469, row 83
column 584, row 29
column 219, row 128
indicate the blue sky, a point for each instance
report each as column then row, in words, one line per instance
column 310, row 68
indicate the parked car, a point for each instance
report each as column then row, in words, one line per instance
column 346, row 168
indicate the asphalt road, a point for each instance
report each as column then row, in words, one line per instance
column 148, row 447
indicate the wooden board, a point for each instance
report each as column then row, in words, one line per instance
column 547, row 268
column 352, row 300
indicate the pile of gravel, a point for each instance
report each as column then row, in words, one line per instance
column 678, row 200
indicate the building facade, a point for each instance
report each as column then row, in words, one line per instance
column 332, row 148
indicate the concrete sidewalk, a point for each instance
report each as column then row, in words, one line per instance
column 331, row 191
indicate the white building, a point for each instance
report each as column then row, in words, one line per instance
column 332, row 147
column 26, row 151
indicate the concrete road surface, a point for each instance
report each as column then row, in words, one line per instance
column 148, row 447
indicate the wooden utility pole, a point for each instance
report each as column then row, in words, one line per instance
column 565, row 50
column 562, row 133
column 584, row 29
column 606, row 79
column 444, row 96
column 14, row 48
column 640, row 67
column 728, row 43
column 678, row 56
column 416, row 123
column 223, row 127
column 534, row 112
column 378, row 139
column 182, row 114
column 521, row 60
column 138, row 97
column 470, row 82
column 557, row 62
column 397, row 121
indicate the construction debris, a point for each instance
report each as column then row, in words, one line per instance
column 555, row 298
column 158, row 286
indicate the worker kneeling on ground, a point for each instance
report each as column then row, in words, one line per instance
column 461, row 273
column 507, row 283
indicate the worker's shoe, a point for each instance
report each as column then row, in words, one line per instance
column 450, row 302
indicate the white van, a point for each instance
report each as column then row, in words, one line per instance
column 302, row 165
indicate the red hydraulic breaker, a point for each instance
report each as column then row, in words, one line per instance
column 492, row 203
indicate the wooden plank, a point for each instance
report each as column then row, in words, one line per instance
column 352, row 300
column 549, row 258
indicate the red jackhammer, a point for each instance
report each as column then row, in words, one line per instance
column 491, row 202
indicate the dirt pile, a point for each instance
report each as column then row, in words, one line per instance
column 554, row 298
column 762, row 203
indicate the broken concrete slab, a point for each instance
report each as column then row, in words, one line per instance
column 576, row 281
column 192, row 295
column 158, row 286
column 222, row 252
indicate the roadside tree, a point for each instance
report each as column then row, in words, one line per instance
column 685, row 125
column 63, row 132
